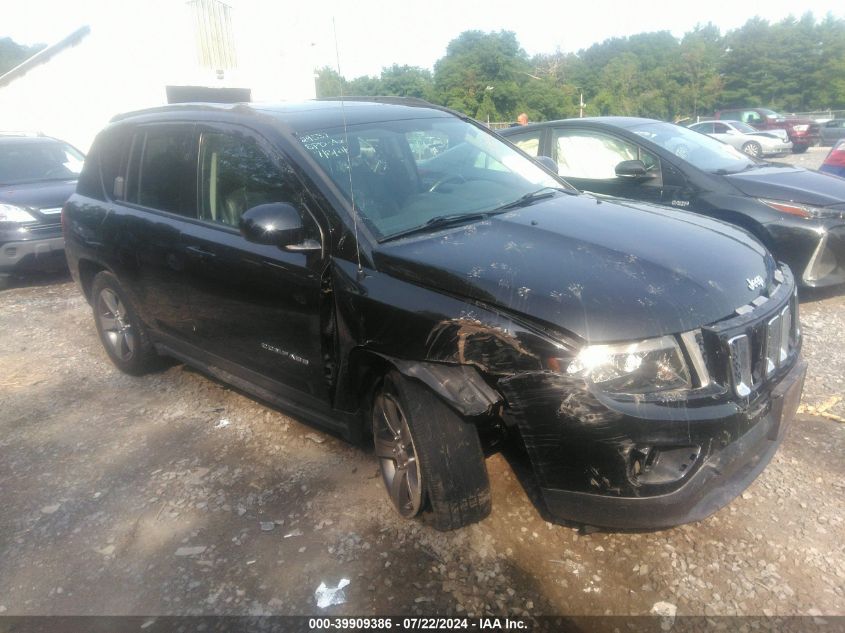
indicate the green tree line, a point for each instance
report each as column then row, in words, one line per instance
column 797, row 64
column 12, row 53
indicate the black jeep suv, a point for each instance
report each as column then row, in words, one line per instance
column 439, row 303
column 37, row 175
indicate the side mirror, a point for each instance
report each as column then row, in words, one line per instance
column 277, row 224
column 633, row 169
column 548, row 163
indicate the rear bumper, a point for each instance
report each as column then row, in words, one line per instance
column 722, row 476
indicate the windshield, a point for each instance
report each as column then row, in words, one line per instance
column 770, row 113
column 406, row 174
column 38, row 161
column 699, row 150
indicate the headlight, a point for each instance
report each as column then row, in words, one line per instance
column 636, row 368
column 11, row 213
column 802, row 210
column 801, row 128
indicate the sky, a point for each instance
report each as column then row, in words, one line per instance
column 372, row 34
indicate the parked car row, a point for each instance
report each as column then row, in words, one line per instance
column 803, row 133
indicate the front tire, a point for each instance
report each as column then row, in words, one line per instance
column 753, row 148
column 428, row 455
column 799, row 149
column 121, row 332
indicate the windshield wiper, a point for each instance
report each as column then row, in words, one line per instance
column 528, row 198
column 437, row 222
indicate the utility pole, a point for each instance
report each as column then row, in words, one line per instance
column 581, row 105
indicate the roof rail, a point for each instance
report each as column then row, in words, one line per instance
column 383, row 99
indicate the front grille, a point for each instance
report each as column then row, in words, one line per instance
column 749, row 349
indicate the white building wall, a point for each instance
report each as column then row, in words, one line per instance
column 134, row 50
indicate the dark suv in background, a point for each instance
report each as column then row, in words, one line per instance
column 399, row 275
column 804, row 133
column 37, row 176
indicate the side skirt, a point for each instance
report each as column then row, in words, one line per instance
column 297, row 404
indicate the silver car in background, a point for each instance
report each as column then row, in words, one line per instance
column 745, row 138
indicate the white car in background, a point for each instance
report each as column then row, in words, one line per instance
column 745, row 138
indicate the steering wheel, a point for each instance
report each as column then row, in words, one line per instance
column 442, row 181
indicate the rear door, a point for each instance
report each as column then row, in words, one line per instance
column 150, row 182
column 256, row 306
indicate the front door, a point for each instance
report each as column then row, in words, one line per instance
column 256, row 306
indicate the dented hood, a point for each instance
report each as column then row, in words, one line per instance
column 603, row 271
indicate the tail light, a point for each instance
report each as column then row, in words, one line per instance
column 836, row 157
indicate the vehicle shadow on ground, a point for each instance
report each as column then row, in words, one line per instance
column 814, row 295
column 37, row 279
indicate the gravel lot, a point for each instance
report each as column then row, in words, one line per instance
column 173, row 494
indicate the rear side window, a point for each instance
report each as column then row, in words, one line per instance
column 528, row 142
column 162, row 169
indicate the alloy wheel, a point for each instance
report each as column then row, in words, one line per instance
column 115, row 324
column 394, row 447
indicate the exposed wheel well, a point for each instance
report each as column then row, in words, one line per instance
column 87, row 271
column 366, row 370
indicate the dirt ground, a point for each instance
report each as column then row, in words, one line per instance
column 173, row 494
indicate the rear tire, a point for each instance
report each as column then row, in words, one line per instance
column 753, row 148
column 121, row 332
column 799, row 149
column 428, row 454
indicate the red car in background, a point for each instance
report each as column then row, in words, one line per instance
column 834, row 163
column 802, row 132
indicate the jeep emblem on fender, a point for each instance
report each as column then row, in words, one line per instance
column 755, row 282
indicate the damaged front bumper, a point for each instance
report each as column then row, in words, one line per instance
column 646, row 463
column 718, row 471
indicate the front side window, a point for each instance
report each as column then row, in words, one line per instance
column 402, row 175
column 721, row 128
column 236, row 175
column 595, row 155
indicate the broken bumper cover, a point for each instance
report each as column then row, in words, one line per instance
column 586, row 475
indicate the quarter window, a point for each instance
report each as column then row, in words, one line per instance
column 528, row 142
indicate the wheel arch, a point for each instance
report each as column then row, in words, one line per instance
column 461, row 387
column 88, row 269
